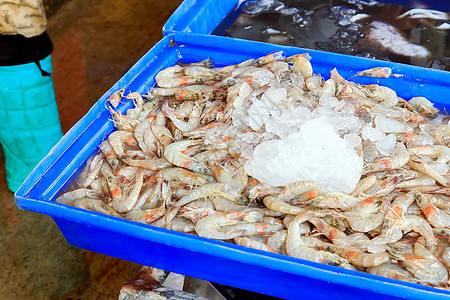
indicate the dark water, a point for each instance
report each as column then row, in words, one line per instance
column 328, row 25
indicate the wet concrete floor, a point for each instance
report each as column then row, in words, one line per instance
column 95, row 43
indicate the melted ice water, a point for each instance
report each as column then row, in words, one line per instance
column 357, row 27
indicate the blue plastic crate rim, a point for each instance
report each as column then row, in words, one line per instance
column 203, row 16
column 217, row 261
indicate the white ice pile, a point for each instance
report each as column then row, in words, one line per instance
column 289, row 142
column 315, row 152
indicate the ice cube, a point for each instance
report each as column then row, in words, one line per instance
column 372, row 134
column 326, row 112
column 328, row 101
column 348, row 123
column 270, row 30
column 288, row 11
column 297, row 18
column 389, row 125
column 258, row 114
column 353, row 140
column 253, row 8
column 262, row 76
column 273, row 97
column 245, row 90
column 344, row 22
column 387, row 144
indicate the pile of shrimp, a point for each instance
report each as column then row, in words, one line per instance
column 168, row 166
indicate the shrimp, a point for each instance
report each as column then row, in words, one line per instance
column 150, row 197
column 173, row 153
column 95, row 205
column 434, row 215
column 111, row 156
column 277, row 204
column 446, row 256
column 384, row 72
column 393, row 271
column 342, row 201
column 246, row 242
column 269, row 58
column 164, row 92
column 152, row 164
column 159, row 135
column 329, row 87
column 299, row 188
column 118, row 138
column 194, row 117
column 422, row 181
column 252, row 229
column 382, row 94
column 211, row 225
column 213, row 190
column 228, row 69
column 179, row 81
column 305, row 227
column 261, row 190
column 394, row 223
column 441, row 153
column 170, row 72
column 415, row 140
column 211, row 112
column 233, row 174
column 363, row 185
column 127, row 202
column 139, row 132
column 370, row 259
column 421, row 166
column 356, row 257
column 147, row 216
column 383, row 187
column 94, row 169
column 126, row 174
column 113, row 187
column 303, row 66
column 441, row 201
column 338, row 237
column 365, row 216
column 197, row 71
column 396, row 161
column 421, row 226
column 222, row 204
column 80, row 193
column 314, row 83
column 116, row 97
column 123, row 122
column 296, row 247
column 180, row 175
column 138, row 102
column 194, row 214
column 277, row 240
column 442, row 134
column 182, row 225
column 424, row 265
column 212, row 155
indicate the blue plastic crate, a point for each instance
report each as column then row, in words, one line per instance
column 216, row 261
column 204, row 16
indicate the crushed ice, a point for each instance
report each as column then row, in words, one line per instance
column 292, row 142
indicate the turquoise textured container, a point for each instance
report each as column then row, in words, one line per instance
column 29, row 125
